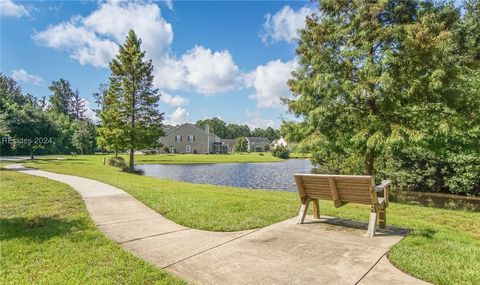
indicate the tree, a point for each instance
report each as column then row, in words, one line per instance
column 10, row 92
column 111, row 134
column 132, row 80
column 217, row 126
column 31, row 128
column 241, row 145
column 77, row 107
column 3, row 125
column 100, row 97
column 84, row 136
column 235, row 131
column 60, row 100
column 371, row 77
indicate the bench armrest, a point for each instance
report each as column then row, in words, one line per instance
column 384, row 187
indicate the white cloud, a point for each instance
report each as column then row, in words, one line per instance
column 270, row 82
column 200, row 69
column 175, row 101
column 90, row 113
column 21, row 75
column 169, row 4
column 114, row 20
column 8, row 8
column 179, row 116
column 284, row 25
column 83, row 44
column 210, row 72
column 256, row 120
column 94, row 39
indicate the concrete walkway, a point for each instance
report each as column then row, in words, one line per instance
column 327, row 251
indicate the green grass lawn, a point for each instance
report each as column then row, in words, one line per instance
column 47, row 237
column 443, row 246
column 204, row 158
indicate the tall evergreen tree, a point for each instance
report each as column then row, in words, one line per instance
column 77, row 107
column 100, row 97
column 111, row 133
column 132, row 81
column 371, row 75
column 84, row 136
column 60, row 100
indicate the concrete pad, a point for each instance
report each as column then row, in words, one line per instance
column 286, row 253
column 385, row 273
column 134, row 230
column 165, row 250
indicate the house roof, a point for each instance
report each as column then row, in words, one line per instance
column 229, row 141
column 258, row 140
column 191, row 125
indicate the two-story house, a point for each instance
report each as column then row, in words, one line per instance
column 188, row 138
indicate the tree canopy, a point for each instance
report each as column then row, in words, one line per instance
column 134, row 98
column 377, row 78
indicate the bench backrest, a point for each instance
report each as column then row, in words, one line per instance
column 341, row 189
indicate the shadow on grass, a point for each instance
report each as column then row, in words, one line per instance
column 39, row 229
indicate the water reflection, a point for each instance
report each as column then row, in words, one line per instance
column 275, row 175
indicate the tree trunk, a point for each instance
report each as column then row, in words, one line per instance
column 131, row 163
column 81, row 151
column 132, row 133
column 116, row 151
column 31, row 152
column 369, row 160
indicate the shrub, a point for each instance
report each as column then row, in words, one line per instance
column 261, row 154
column 117, row 162
column 281, row 152
column 166, row 149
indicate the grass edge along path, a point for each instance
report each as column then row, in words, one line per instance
column 443, row 246
column 47, row 237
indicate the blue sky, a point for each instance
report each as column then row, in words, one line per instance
column 218, row 58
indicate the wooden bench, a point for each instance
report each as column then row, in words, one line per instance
column 343, row 189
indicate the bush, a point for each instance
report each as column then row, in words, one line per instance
column 117, row 162
column 281, row 152
column 120, row 163
column 166, row 149
column 261, row 154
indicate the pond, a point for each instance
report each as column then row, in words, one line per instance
column 274, row 175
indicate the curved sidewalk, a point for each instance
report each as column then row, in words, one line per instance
column 328, row 251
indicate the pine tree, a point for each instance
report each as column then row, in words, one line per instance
column 372, row 75
column 77, row 107
column 84, row 136
column 60, row 101
column 111, row 133
column 132, row 82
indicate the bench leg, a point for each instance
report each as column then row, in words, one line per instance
column 316, row 209
column 303, row 211
column 372, row 224
column 382, row 216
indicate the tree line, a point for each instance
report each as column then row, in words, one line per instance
column 391, row 88
column 56, row 124
column 234, row 131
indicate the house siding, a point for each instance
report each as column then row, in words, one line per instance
column 199, row 145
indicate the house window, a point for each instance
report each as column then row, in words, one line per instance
column 189, row 148
column 178, row 138
column 191, row 138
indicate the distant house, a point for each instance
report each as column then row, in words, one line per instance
column 230, row 144
column 279, row 142
column 188, row 138
column 257, row 144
